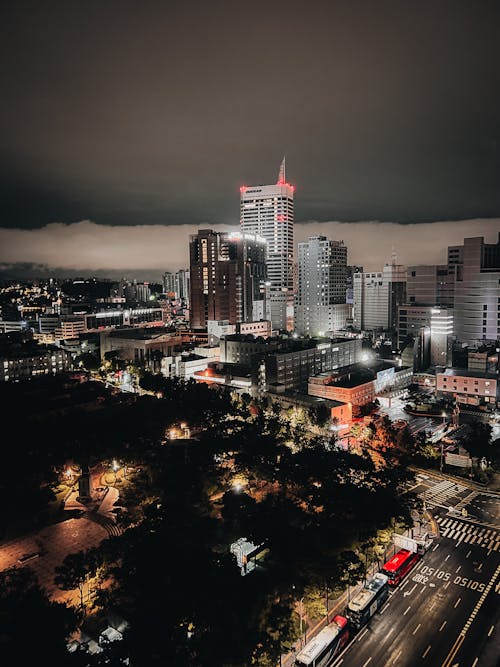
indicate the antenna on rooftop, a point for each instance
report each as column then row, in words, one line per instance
column 282, row 172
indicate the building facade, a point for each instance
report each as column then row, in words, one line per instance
column 268, row 211
column 377, row 296
column 431, row 285
column 291, row 368
column 477, row 290
column 321, row 299
column 228, row 275
column 471, row 387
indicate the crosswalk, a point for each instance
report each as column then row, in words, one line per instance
column 440, row 494
column 480, row 536
column 465, row 501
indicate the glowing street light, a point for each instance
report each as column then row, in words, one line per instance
column 115, row 466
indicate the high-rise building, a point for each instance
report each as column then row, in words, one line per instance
column 431, row 285
column 177, row 284
column 477, row 290
column 349, row 293
column 377, row 297
column 267, row 211
column 228, row 275
column 169, row 282
column 320, row 305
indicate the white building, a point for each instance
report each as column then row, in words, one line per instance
column 321, row 299
column 377, row 296
column 477, row 290
column 267, row 211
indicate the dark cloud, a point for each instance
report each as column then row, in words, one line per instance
column 155, row 112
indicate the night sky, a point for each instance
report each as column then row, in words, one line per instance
column 142, row 113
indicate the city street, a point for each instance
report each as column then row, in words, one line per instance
column 446, row 610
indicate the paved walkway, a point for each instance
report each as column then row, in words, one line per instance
column 45, row 549
column 48, row 547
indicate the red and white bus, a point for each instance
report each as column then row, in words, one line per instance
column 322, row 649
column 399, row 565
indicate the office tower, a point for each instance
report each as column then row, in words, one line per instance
column 349, row 292
column 377, row 296
column 228, row 275
column 477, row 290
column 182, row 284
column 142, row 292
column 168, row 280
column 320, row 305
column 267, row 210
column 431, row 285
column 177, row 284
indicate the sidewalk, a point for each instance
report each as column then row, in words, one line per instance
column 336, row 606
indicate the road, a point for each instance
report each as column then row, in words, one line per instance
column 446, row 610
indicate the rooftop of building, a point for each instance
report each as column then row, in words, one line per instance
column 306, row 400
column 354, row 379
column 26, row 350
column 140, row 333
column 464, row 372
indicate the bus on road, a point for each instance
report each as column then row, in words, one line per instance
column 399, row 565
column 371, row 597
column 322, row 649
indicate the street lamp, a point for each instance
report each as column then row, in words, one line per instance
column 115, row 467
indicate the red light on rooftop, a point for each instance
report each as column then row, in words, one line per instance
column 243, row 188
column 281, row 218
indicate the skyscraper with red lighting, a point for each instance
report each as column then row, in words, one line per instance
column 267, row 210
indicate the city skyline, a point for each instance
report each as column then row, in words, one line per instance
column 146, row 252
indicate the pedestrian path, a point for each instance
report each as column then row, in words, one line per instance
column 441, row 494
column 470, row 533
column 465, row 501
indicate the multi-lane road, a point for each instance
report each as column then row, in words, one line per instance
column 445, row 613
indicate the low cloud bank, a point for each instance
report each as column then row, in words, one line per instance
column 88, row 247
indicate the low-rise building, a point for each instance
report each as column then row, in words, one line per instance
column 472, row 387
column 139, row 345
column 29, row 361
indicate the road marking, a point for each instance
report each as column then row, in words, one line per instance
column 442, row 626
column 456, row 603
column 436, row 547
column 489, row 551
column 416, row 629
column 396, row 657
column 426, row 651
column 401, row 587
column 460, row 639
column 362, row 634
column 458, row 569
column 475, row 662
column 390, row 632
column 491, row 631
column 384, row 607
column 446, row 585
column 407, row 611
column 459, row 542
column 468, row 553
column 410, row 592
column 447, row 557
column 369, row 659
